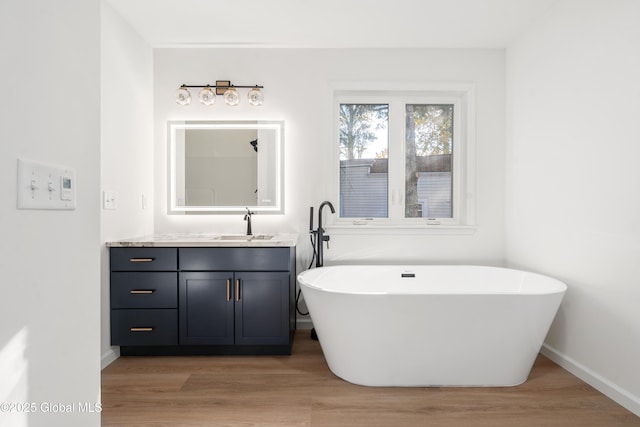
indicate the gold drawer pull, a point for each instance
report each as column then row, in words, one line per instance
column 141, row 259
column 141, row 329
column 228, row 289
column 237, row 290
column 142, row 291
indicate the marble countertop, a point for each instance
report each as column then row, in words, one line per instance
column 208, row 240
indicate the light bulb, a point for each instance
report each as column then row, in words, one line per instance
column 207, row 96
column 183, row 96
column 255, row 97
column 231, row 96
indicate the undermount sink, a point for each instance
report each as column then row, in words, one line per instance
column 263, row 237
column 245, row 238
column 233, row 237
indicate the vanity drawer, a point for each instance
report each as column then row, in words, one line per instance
column 144, row 327
column 144, row 290
column 239, row 259
column 144, row 259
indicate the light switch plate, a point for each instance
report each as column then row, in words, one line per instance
column 109, row 200
column 45, row 186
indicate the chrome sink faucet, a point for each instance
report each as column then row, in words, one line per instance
column 247, row 217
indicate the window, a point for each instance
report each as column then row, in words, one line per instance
column 364, row 150
column 428, row 147
column 404, row 158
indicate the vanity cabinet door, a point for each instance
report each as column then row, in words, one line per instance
column 206, row 307
column 262, row 308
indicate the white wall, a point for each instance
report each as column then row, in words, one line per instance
column 572, row 202
column 297, row 90
column 49, row 260
column 126, row 145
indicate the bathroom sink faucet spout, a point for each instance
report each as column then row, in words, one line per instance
column 247, row 217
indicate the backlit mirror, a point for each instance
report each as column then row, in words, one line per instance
column 224, row 166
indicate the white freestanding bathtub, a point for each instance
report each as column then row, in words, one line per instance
column 430, row 325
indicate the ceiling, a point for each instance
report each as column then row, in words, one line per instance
column 488, row 24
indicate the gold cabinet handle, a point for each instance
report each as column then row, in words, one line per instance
column 228, row 289
column 141, row 291
column 144, row 329
column 141, row 259
column 237, row 290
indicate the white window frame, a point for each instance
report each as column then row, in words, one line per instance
column 397, row 95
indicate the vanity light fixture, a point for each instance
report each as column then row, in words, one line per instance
column 255, row 97
column 231, row 96
column 207, row 94
column 183, row 96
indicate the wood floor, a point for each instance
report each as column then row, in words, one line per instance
column 299, row 390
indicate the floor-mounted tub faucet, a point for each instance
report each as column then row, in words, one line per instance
column 321, row 237
column 247, row 217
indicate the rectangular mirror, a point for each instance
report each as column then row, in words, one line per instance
column 218, row 167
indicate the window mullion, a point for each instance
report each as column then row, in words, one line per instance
column 396, row 161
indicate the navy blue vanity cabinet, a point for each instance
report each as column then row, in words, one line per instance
column 206, row 307
column 248, row 304
column 144, row 297
column 261, row 311
column 243, row 308
column 202, row 300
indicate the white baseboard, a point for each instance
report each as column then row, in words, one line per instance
column 109, row 356
column 603, row 385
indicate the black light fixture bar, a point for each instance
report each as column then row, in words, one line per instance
column 222, row 85
column 225, row 87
